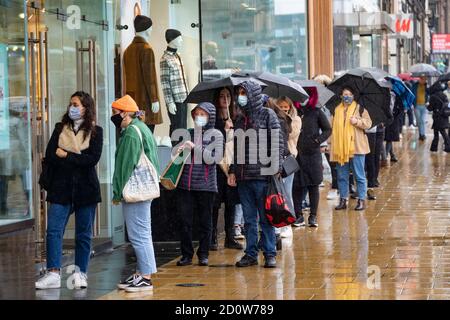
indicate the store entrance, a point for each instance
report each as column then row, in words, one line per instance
column 67, row 53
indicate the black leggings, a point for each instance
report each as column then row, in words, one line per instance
column 314, row 197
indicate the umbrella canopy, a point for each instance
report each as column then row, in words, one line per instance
column 325, row 95
column 441, row 84
column 407, row 77
column 278, row 86
column 424, row 70
column 371, row 92
column 401, row 90
column 206, row 91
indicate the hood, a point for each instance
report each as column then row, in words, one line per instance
column 254, row 94
column 211, row 110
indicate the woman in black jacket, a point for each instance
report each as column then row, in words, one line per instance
column 72, row 153
column 316, row 129
column 440, row 107
column 394, row 129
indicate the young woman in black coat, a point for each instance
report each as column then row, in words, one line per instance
column 316, row 129
column 440, row 107
column 395, row 128
column 73, row 151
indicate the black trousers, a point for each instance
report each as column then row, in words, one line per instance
column 334, row 184
column 179, row 120
column 372, row 160
column 203, row 202
column 435, row 143
column 314, row 197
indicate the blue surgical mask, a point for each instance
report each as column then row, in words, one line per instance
column 347, row 99
column 242, row 101
column 74, row 113
column 201, row 121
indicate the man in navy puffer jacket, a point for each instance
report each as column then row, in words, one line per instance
column 256, row 159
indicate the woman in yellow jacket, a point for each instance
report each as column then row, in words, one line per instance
column 349, row 146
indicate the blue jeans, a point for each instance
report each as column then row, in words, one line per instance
column 139, row 228
column 421, row 113
column 58, row 216
column 343, row 173
column 289, row 185
column 253, row 195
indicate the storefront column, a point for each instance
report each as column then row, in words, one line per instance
column 320, row 28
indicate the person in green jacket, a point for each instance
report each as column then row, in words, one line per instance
column 137, row 215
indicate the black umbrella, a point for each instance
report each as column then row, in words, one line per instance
column 278, row 86
column 325, row 95
column 206, row 91
column 371, row 91
column 441, row 84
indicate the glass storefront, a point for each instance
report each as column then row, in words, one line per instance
column 15, row 125
column 258, row 35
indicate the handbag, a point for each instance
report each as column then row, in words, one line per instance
column 46, row 177
column 143, row 185
column 278, row 209
column 290, row 166
column 172, row 174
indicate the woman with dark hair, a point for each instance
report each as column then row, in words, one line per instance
column 349, row 146
column 316, row 129
column 72, row 153
column 224, row 109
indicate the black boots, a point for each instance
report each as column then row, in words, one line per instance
column 231, row 243
column 342, row 205
column 361, row 205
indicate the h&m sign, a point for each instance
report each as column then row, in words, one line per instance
column 403, row 24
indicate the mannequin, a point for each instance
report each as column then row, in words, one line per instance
column 173, row 81
column 140, row 72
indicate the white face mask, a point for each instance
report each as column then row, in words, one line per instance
column 176, row 43
column 201, row 121
column 242, row 101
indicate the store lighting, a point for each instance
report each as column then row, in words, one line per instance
column 244, row 5
column 22, row 15
column 15, row 48
column 251, row 9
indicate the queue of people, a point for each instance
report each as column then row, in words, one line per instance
column 303, row 130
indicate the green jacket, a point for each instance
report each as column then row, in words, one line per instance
column 128, row 153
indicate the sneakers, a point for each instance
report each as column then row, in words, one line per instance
column 79, row 280
column 312, row 221
column 246, row 261
column 51, row 280
column 238, row 233
column 184, row 262
column 270, row 263
column 127, row 282
column 203, row 262
column 140, row 285
column 300, row 222
column 333, row 195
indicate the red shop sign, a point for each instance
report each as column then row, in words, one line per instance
column 441, row 43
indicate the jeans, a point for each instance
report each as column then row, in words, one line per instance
column 203, row 203
column 421, row 112
column 357, row 165
column 139, row 229
column 410, row 114
column 178, row 120
column 289, row 185
column 58, row 216
column 253, row 194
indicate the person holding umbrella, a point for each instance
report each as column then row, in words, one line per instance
column 439, row 105
column 421, row 91
column 349, row 146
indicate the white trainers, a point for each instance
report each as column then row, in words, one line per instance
column 51, row 280
column 286, row 232
column 79, row 280
column 333, row 195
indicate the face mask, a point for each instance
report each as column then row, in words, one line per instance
column 347, row 99
column 117, row 120
column 242, row 101
column 201, row 121
column 74, row 113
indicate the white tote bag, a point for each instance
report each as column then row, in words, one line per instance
column 143, row 184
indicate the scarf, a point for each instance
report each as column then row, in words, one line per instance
column 343, row 139
column 70, row 142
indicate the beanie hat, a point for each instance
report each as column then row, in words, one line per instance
column 126, row 104
column 172, row 34
column 142, row 23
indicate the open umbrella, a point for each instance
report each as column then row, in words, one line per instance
column 407, row 77
column 278, row 86
column 400, row 89
column 325, row 95
column 424, row 70
column 371, row 91
column 206, row 91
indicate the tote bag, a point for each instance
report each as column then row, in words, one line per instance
column 172, row 174
column 143, row 184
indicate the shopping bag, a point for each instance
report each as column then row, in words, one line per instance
column 279, row 211
column 143, row 185
column 327, row 177
column 172, row 174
